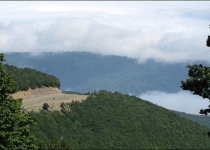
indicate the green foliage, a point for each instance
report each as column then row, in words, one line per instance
column 85, row 72
column 14, row 123
column 55, row 143
column 45, row 106
column 26, row 78
column 203, row 120
column 109, row 120
column 208, row 41
column 198, row 81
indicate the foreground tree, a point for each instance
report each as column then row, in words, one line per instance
column 14, row 123
column 199, row 81
column 208, row 40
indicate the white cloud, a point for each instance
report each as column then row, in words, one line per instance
column 182, row 101
column 164, row 31
column 17, row 38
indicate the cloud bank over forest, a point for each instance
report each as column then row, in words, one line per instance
column 164, row 31
column 182, row 101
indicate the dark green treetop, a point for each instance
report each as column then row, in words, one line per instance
column 14, row 123
column 208, row 40
column 26, row 78
column 198, row 81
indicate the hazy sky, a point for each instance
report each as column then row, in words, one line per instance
column 183, row 101
column 166, row 31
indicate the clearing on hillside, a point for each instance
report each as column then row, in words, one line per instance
column 34, row 99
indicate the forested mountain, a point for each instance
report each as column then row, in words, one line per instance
column 84, row 72
column 113, row 120
column 107, row 120
column 26, row 78
column 201, row 119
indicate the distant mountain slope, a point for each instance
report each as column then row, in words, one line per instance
column 201, row 119
column 84, row 72
column 26, row 78
column 117, row 121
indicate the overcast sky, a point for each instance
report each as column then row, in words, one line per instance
column 166, row 31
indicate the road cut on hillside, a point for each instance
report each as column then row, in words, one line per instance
column 34, row 99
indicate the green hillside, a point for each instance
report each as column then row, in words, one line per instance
column 201, row 119
column 113, row 120
column 26, row 78
column 84, row 72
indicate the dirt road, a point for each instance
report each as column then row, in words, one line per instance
column 33, row 99
column 54, row 100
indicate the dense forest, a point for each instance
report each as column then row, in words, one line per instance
column 109, row 120
column 113, row 120
column 85, row 72
column 201, row 119
column 26, row 78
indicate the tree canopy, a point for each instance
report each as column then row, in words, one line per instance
column 208, row 40
column 199, row 81
column 14, row 123
column 26, row 78
column 84, row 72
column 107, row 120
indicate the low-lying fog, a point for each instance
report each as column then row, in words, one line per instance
column 182, row 101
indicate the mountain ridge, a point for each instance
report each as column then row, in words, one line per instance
column 85, row 72
column 27, row 78
column 115, row 120
column 111, row 120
